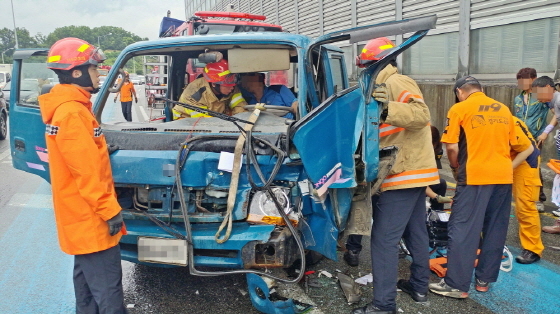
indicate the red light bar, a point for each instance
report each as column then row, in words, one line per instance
column 237, row 15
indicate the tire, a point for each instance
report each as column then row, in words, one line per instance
column 3, row 126
column 312, row 258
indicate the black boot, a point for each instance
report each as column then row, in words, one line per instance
column 352, row 258
column 371, row 309
column 406, row 287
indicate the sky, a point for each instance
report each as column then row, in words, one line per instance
column 141, row 17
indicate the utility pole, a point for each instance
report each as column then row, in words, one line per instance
column 15, row 29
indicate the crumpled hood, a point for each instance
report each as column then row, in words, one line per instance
column 60, row 94
column 385, row 73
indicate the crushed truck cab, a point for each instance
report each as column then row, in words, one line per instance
column 187, row 203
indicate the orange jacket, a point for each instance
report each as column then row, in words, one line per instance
column 82, row 184
column 127, row 89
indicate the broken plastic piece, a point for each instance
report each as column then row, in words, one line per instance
column 350, row 289
column 325, row 273
column 269, row 303
column 365, row 279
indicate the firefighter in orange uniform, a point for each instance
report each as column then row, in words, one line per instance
column 400, row 210
column 88, row 216
column 526, row 185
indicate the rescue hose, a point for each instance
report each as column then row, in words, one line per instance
column 234, row 183
column 181, row 159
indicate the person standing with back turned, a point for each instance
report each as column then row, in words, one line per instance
column 479, row 134
column 88, row 216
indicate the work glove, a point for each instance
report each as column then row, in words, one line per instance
column 136, row 100
column 443, row 199
column 115, row 224
column 115, row 100
column 381, row 95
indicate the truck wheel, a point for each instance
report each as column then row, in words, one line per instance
column 312, row 258
column 3, row 126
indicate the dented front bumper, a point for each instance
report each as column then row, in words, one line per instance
column 250, row 246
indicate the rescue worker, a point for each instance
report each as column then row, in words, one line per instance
column 126, row 92
column 479, row 134
column 216, row 91
column 88, row 216
column 400, row 211
column 526, row 185
column 534, row 114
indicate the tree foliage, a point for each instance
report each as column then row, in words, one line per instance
column 99, row 36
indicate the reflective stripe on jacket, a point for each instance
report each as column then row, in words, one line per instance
column 199, row 93
column 408, row 127
column 83, row 191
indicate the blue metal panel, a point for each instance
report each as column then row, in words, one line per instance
column 201, row 169
column 323, row 228
column 327, row 138
column 27, row 132
column 203, row 238
column 344, row 204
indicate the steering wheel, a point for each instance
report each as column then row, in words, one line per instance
column 275, row 110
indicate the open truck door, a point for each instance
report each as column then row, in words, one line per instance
column 27, row 130
column 327, row 138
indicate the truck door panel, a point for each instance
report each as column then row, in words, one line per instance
column 27, row 130
column 327, row 138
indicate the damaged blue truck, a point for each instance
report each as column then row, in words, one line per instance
column 291, row 187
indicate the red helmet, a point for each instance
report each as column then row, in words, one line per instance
column 70, row 52
column 373, row 49
column 218, row 72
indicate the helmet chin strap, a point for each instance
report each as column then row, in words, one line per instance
column 217, row 92
column 85, row 79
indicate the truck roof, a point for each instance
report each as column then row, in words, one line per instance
column 222, row 39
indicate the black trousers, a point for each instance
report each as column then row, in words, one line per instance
column 439, row 189
column 399, row 214
column 127, row 110
column 477, row 209
column 542, row 196
column 98, row 282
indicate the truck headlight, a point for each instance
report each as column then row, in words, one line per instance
column 262, row 205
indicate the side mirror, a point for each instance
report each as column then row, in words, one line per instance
column 117, row 88
column 8, row 77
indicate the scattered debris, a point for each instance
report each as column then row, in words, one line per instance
column 270, row 282
column 197, row 293
column 130, row 306
column 349, row 287
column 314, row 282
column 554, row 248
column 400, row 310
column 325, row 273
column 243, row 292
column 365, row 279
